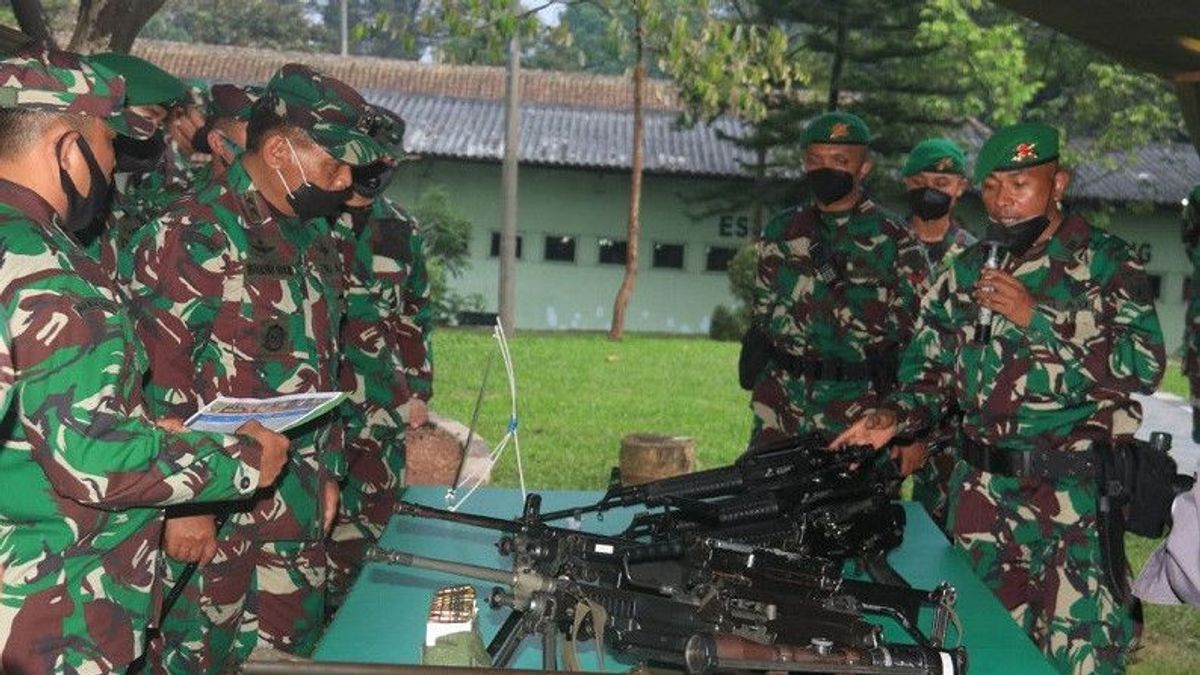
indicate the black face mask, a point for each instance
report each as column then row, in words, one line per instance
column 200, row 140
column 81, row 209
column 371, row 180
column 1018, row 237
column 830, row 185
column 929, row 203
column 139, row 156
column 310, row 201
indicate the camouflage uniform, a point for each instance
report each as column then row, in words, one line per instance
column 83, row 472
column 1058, row 386
column 930, row 482
column 1191, row 322
column 252, row 300
column 385, row 340
column 869, row 308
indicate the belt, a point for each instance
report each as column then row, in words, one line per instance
column 1046, row 465
column 832, row 370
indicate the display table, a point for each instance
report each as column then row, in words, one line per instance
column 383, row 618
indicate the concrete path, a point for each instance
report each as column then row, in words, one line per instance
column 1172, row 414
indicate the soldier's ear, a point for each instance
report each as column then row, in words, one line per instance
column 1062, row 180
column 865, row 168
column 275, row 151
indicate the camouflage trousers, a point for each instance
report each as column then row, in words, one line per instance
column 785, row 406
column 1036, row 545
column 930, row 487
column 252, row 595
column 375, row 460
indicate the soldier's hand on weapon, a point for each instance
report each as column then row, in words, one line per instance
column 912, row 457
column 330, row 496
column 1001, row 292
column 418, row 413
column 172, row 424
column 274, row 451
column 875, row 429
column 191, row 539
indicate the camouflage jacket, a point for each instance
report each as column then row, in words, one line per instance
column 83, row 472
column 939, row 255
column 386, row 331
column 137, row 200
column 872, row 301
column 233, row 300
column 1062, row 382
column 1191, row 324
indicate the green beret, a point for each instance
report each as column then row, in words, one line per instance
column 1018, row 146
column 145, row 83
column 839, row 128
column 936, row 155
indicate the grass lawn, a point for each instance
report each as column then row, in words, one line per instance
column 578, row 394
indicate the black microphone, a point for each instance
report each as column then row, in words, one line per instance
column 983, row 324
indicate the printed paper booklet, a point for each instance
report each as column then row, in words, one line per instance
column 226, row 415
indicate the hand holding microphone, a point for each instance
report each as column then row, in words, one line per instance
column 999, row 291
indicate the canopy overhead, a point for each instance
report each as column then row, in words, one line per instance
column 1157, row 36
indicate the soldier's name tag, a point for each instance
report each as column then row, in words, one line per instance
column 88, row 304
column 275, row 270
column 266, row 258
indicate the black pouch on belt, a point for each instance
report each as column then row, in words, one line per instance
column 756, row 352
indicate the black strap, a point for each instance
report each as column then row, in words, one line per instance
column 1044, row 465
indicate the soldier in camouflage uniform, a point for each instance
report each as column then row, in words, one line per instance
column 1074, row 334
column 145, row 180
column 935, row 175
column 83, row 471
column 385, row 339
column 1191, row 322
column 837, row 289
column 228, row 116
column 242, row 280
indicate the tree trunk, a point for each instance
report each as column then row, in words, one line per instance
column 839, row 61
column 110, row 25
column 31, row 18
column 617, row 331
column 760, row 187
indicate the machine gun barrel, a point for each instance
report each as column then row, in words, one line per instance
column 394, row 557
column 800, row 462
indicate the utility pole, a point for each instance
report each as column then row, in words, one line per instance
column 345, row 27
column 508, row 179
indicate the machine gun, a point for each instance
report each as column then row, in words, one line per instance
column 796, row 496
column 690, row 565
column 702, row 632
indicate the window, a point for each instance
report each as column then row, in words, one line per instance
column 668, row 256
column 496, row 245
column 1155, row 286
column 718, row 257
column 613, row 251
column 560, row 249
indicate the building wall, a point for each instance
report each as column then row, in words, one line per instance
column 591, row 206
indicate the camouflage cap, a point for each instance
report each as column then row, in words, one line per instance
column 837, row 128
column 51, row 80
column 232, row 100
column 387, row 128
column 935, row 155
column 1018, row 146
column 330, row 110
